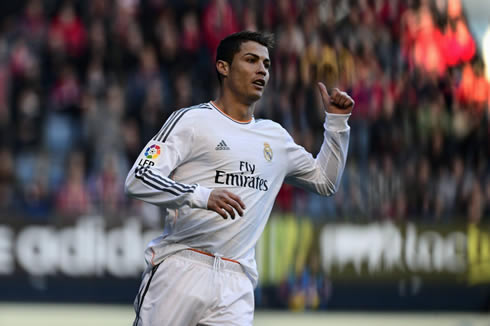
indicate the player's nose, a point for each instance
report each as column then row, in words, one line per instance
column 262, row 70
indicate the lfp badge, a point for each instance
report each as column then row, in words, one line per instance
column 152, row 152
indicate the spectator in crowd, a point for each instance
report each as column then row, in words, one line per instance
column 99, row 79
column 7, row 181
column 73, row 198
column 68, row 26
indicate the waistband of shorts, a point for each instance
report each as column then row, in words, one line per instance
column 209, row 259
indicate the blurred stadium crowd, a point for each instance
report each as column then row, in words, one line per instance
column 85, row 84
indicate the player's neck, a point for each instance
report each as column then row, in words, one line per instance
column 235, row 108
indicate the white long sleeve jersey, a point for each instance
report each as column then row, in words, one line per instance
column 199, row 149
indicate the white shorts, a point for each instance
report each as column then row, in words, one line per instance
column 191, row 288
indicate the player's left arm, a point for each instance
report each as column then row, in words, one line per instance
column 323, row 173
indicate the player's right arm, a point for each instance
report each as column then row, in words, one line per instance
column 149, row 180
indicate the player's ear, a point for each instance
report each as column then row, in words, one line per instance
column 223, row 67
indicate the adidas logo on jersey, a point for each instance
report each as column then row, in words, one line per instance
column 222, row 146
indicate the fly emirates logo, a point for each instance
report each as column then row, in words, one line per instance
column 244, row 178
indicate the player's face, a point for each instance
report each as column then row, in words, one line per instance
column 249, row 71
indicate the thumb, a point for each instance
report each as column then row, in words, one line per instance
column 324, row 94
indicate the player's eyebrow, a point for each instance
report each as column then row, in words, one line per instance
column 256, row 56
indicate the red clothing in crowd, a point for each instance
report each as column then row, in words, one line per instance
column 218, row 21
column 71, row 30
column 474, row 89
column 458, row 45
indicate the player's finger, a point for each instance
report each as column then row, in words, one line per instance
column 346, row 100
column 334, row 95
column 219, row 210
column 343, row 102
column 224, row 205
column 351, row 102
column 223, row 213
column 324, row 93
column 237, row 199
column 235, row 205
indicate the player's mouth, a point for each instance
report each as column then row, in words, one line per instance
column 259, row 83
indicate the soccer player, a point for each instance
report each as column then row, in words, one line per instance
column 215, row 172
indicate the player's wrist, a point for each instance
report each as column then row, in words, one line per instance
column 336, row 121
column 200, row 197
column 338, row 111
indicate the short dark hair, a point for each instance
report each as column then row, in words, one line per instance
column 230, row 45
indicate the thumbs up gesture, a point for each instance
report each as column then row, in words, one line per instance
column 337, row 101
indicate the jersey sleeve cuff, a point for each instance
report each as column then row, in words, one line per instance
column 201, row 197
column 337, row 122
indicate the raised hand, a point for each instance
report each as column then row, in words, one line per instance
column 225, row 203
column 337, row 101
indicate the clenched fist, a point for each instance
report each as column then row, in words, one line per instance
column 337, row 101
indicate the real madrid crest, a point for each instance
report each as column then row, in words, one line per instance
column 267, row 152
